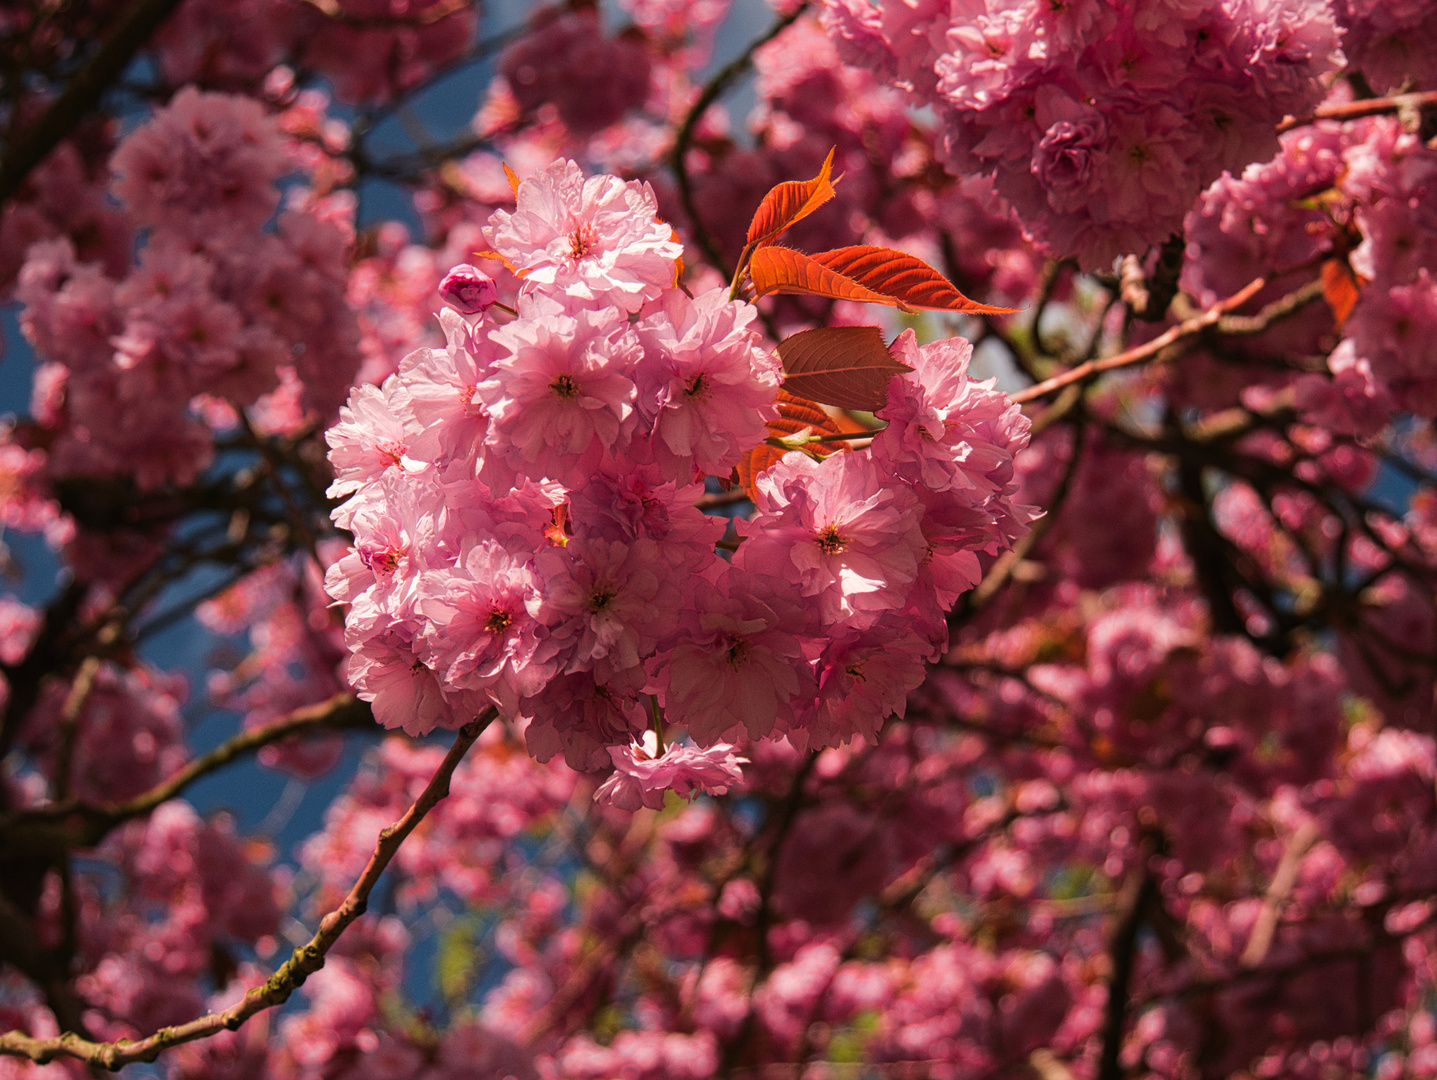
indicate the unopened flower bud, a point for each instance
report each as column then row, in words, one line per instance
column 467, row 289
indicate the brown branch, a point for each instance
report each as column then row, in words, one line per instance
column 20, row 945
column 75, row 702
column 304, row 962
column 1199, row 987
column 49, row 654
column 1270, row 313
column 780, row 822
column 1149, row 297
column 715, row 88
column 1067, row 401
column 45, row 826
column 1138, row 892
column 1047, row 285
column 581, row 980
column 611, row 943
column 1278, row 891
column 1356, row 110
column 80, row 97
column 1186, row 329
column 331, row 9
column 1229, row 425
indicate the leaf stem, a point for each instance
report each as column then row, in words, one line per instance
column 658, row 716
column 738, row 271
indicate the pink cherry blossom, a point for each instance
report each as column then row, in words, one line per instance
column 480, row 631
column 844, row 537
column 597, row 241
column 733, row 669
column 562, row 398
column 642, row 777
column 706, row 383
column 386, row 671
column 370, row 438
column 607, row 604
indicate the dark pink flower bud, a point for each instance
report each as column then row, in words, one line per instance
column 467, row 289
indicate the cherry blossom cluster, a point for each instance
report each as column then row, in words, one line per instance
column 522, row 503
column 1110, row 767
column 217, row 314
column 1360, row 194
column 368, row 50
column 1384, row 42
column 1154, row 798
column 1100, row 122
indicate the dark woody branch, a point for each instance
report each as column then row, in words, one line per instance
column 303, row 962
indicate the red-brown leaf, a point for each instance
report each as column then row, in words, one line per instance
column 783, row 270
column 1341, row 288
column 788, row 202
column 794, row 415
column 513, row 179
column 905, row 281
column 846, row 366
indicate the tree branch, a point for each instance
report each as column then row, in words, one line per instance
column 303, row 962
column 1355, row 110
column 1186, row 329
column 1002, row 570
column 139, row 21
column 75, row 701
column 20, row 945
column 712, row 91
column 1270, row 313
column 1278, row 891
column 48, row 654
column 1150, row 297
column 45, row 826
column 1137, row 894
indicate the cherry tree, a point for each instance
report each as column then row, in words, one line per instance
column 932, row 576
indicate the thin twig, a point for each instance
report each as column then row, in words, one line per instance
column 50, row 653
column 1149, row 298
column 1355, row 110
column 21, row 945
column 1002, row 570
column 75, row 702
column 1278, row 891
column 1047, row 285
column 303, row 962
column 715, row 88
column 22, row 828
column 1190, row 328
column 368, row 120
column 332, row 10
column 1270, row 313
